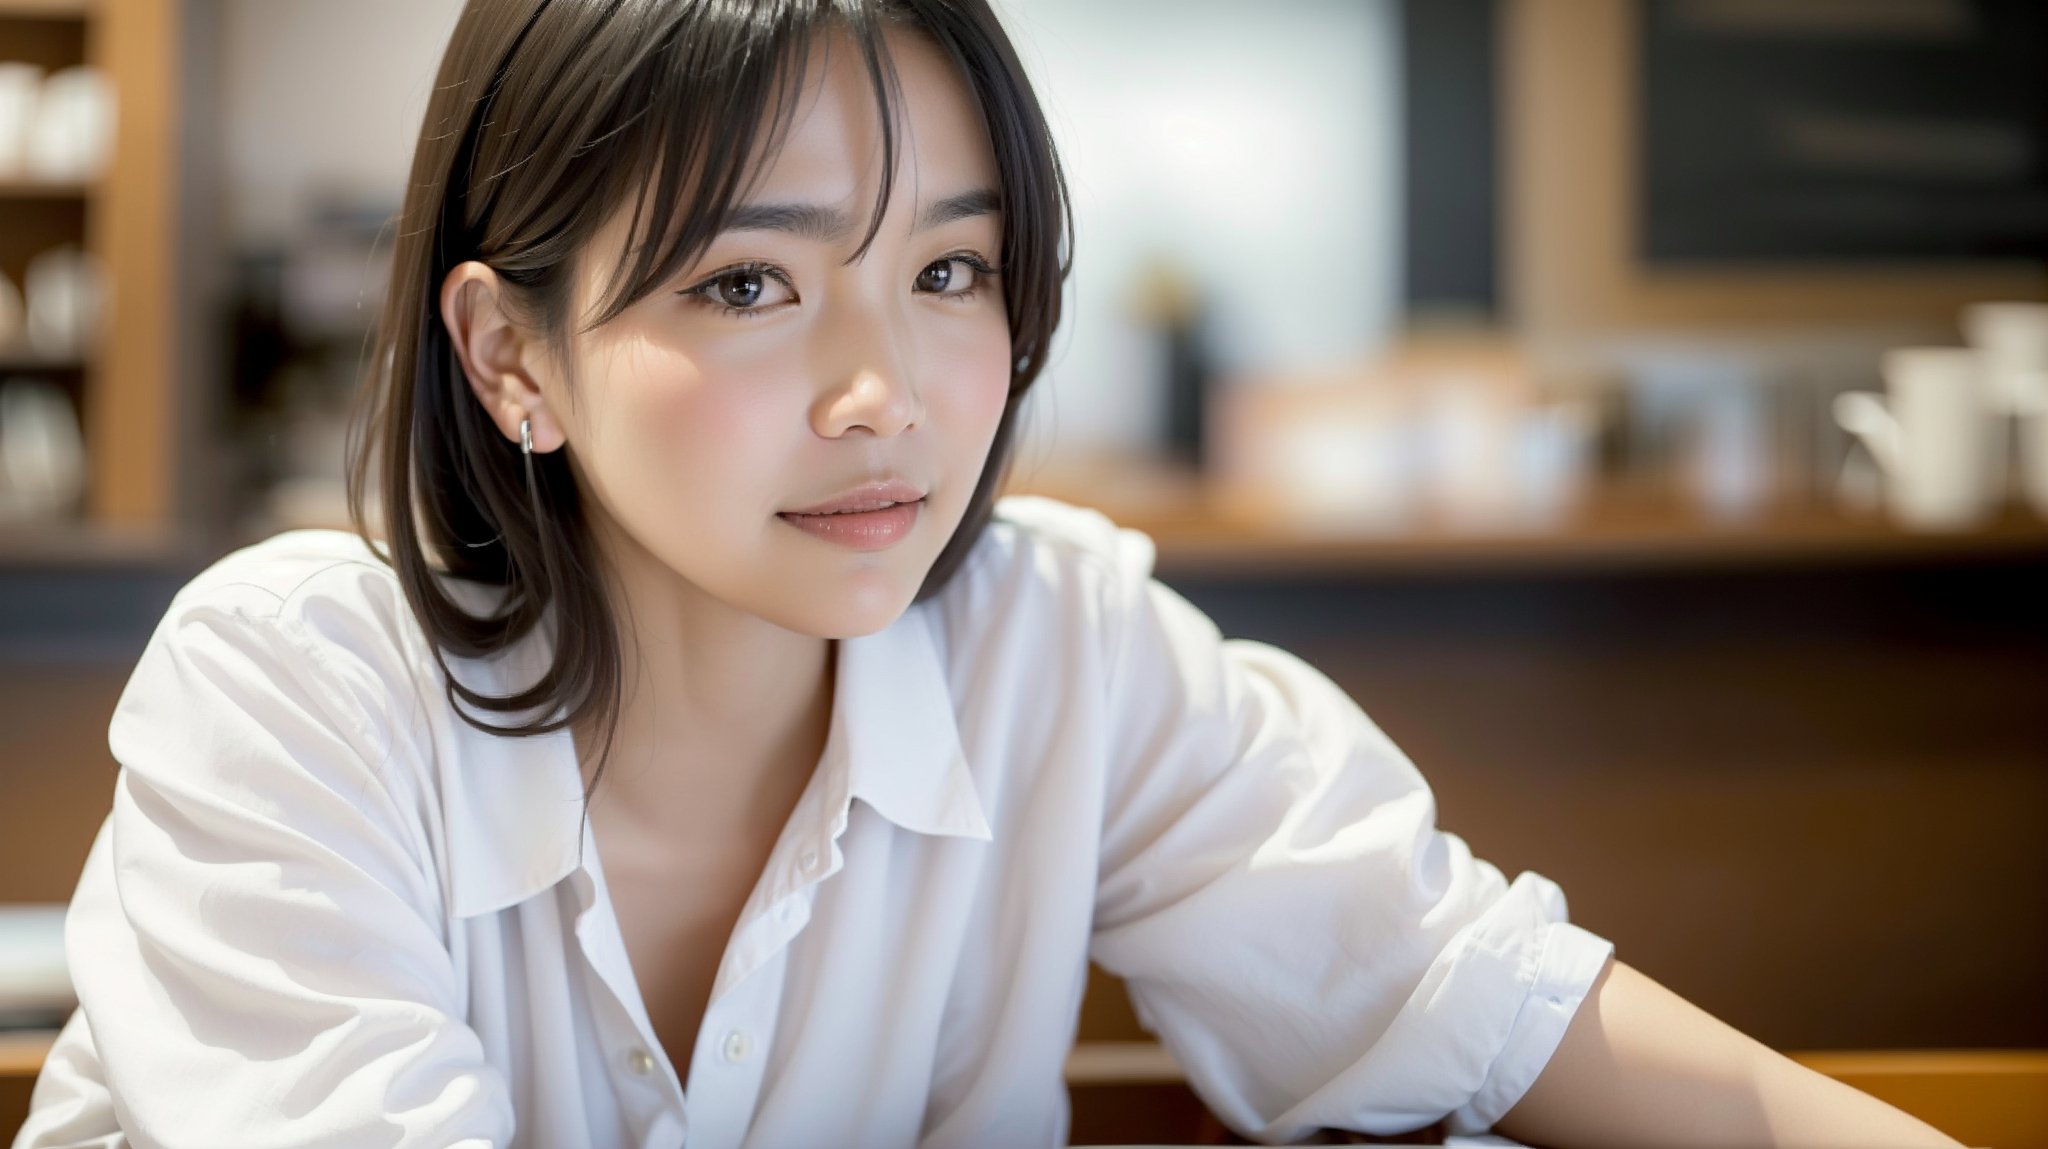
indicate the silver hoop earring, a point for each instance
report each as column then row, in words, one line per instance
column 526, row 436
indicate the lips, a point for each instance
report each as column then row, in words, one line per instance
column 855, row 508
column 862, row 530
column 871, row 496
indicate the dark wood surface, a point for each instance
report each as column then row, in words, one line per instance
column 1807, row 796
column 1809, row 800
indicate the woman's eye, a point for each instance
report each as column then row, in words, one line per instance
column 747, row 291
column 741, row 290
column 941, row 277
column 738, row 291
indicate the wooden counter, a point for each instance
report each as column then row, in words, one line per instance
column 1205, row 533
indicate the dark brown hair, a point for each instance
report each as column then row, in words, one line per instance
column 546, row 118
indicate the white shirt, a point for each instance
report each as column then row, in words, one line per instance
column 326, row 911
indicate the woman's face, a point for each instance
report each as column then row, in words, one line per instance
column 772, row 376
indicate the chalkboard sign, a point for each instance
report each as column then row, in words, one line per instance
column 1843, row 131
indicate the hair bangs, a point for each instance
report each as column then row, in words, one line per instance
column 703, row 136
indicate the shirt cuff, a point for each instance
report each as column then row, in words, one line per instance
column 1572, row 960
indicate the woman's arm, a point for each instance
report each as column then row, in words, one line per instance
column 1640, row 1066
column 257, row 938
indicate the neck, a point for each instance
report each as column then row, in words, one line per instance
column 715, row 703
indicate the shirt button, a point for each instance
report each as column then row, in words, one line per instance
column 810, row 861
column 736, row 1045
column 640, row 1061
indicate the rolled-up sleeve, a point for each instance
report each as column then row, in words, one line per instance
column 1285, row 912
column 257, row 940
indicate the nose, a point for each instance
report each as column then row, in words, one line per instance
column 881, row 401
column 876, row 394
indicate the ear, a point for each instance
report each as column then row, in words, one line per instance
column 502, row 358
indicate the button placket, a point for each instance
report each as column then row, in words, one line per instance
column 650, row 1091
column 732, row 1055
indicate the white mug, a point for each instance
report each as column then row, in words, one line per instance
column 67, row 290
column 2033, row 421
column 72, row 132
column 2013, row 338
column 1351, row 468
column 20, row 84
column 1929, row 434
column 42, row 451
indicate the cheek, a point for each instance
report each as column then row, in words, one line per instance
column 681, row 428
column 976, row 374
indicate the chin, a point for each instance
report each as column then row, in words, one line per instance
column 857, row 607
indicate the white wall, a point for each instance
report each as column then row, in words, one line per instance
column 1256, row 142
column 321, row 97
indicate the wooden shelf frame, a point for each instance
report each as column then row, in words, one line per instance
column 28, row 187
column 131, row 419
column 1985, row 1096
column 1205, row 532
column 127, row 399
column 1601, row 543
column 22, row 1051
column 51, row 9
column 1569, row 112
column 24, row 361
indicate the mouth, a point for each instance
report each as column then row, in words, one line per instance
column 873, row 495
column 865, row 524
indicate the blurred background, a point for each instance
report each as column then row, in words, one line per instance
column 1639, row 406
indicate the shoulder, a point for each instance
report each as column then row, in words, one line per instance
column 309, row 610
column 1054, row 541
column 327, row 582
column 283, row 575
column 1041, row 569
column 327, row 589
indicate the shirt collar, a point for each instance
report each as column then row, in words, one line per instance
column 902, row 737
column 514, row 806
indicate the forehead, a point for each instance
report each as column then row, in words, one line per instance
column 832, row 151
column 828, row 157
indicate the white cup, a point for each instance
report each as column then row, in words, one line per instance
column 66, row 293
column 2013, row 338
column 2033, row 436
column 20, row 84
column 1467, row 430
column 72, row 132
column 1352, row 469
column 1552, row 459
column 1929, row 434
column 42, row 451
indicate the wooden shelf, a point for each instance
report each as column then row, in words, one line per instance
column 27, row 544
column 1609, row 541
column 1984, row 1096
column 129, row 222
column 1122, row 1063
column 29, row 187
column 1204, row 534
column 22, row 1051
column 22, row 359
column 66, row 9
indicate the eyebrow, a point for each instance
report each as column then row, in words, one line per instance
column 830, row 225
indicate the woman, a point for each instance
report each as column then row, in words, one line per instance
column 821, row 775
